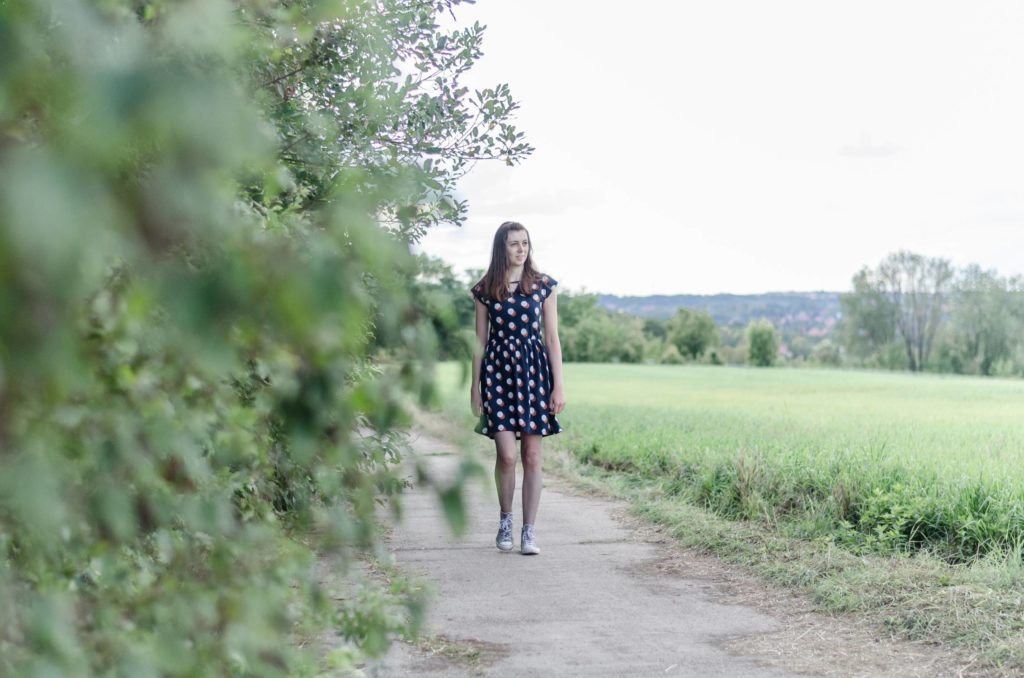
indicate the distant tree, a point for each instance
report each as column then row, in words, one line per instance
column 907, row 289
column 442, row 299
column 600, row 336
column 982, row 325
column 918, row 286
column 574, row 306
column 868, row 324
column 762, row 343
column 692, row 332
column 732, row 335
column 655, row 328
column 671, row 355
column 799, row 347
column 826, row 353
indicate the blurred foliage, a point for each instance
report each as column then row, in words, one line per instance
column 902, row 299
column 441, row 298
column 974, row 325
column 204, row 216
column 590, row 333
column 762, row 343
column 868, row 325
column 916, row 313
column 986, row 323
column 693, row 332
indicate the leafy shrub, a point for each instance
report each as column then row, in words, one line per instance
column 204, row 216
column 671, row 355
column 762, row 344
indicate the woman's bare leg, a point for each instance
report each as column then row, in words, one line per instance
column 505, row 469
column 532, row 479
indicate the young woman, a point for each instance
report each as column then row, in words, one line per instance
column 517, row 375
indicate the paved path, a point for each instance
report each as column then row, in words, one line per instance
column 587, row 605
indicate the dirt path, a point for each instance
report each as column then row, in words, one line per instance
column 607, row 597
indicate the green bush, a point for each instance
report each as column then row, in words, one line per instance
column 194, row 284
column 692, row 332
column 762, row 343
column 671, row 356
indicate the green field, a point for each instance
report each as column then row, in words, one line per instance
column 879, row 460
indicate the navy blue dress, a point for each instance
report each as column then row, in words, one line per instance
column 515, row 374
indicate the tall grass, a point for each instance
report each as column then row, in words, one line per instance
column 872, row 460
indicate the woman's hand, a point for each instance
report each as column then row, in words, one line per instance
column 557, row 399
column 476, row 402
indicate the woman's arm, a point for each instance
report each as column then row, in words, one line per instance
column 475, row 399
column 554, row 350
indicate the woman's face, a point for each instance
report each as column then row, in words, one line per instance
column 517, row 247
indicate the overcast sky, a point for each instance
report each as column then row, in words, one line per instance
column 725, row 146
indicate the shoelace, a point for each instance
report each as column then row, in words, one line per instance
column 527, row 534
column 505, row 527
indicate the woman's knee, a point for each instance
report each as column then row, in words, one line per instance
column 531, row 453
column 506, row 458
column 506, row 453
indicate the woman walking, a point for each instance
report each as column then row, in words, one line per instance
column 517, row 376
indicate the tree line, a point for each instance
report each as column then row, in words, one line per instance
column 591, row 333
column 922, row 314
column 909, row 312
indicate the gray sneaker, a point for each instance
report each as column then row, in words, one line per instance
column 526, row 545
column 504, row 538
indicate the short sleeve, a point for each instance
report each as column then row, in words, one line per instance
column 478, row 293
column 547, row 285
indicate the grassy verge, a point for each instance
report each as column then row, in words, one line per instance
column 976, row 607
column 891, row 461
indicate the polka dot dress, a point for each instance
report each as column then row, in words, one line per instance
column 515, row 375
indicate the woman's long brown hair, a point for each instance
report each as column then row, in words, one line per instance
column 494, row 284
